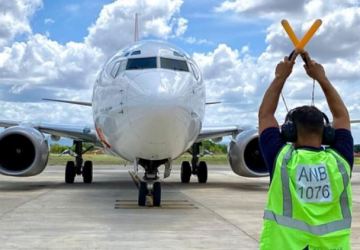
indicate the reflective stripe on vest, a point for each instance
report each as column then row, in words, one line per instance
column 286, row 218
column 300, row 225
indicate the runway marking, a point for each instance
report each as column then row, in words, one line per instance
column 165, row 204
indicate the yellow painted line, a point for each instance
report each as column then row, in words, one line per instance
column 290, row 32
column 306, row 38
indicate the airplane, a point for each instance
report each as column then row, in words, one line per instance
column 148, row 107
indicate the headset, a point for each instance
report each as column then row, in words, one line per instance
column 289, row 132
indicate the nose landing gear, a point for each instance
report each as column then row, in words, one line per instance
column 149, row 193
column 150, row 186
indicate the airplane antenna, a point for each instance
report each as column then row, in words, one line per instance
column 136, row 33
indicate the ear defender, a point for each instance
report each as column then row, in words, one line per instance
column 289, row 132
column 328, row 132
column 288, row 129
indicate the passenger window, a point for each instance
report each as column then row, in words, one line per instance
column 141, row 63
column 174, row 64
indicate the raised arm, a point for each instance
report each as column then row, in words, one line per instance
column 337, row 107
column 271, row 97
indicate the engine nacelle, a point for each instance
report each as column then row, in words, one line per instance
column 23, row 151
column 244, row 155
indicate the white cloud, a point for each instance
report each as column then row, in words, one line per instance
column 181, row 26
column 335, row 45
column 14, row 18
column 40, row 67
column 56, row 113
column 194, row 40
column 261, row 8
column 233, row 77
column 114, row 27
column 48, row 21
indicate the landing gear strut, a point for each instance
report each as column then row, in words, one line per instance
column 77, row 167
column 196, row 167
column 150, row 186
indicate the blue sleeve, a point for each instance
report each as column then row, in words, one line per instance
column 271, row 143
column 344, row 145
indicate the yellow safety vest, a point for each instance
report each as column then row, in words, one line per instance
column 309, row 202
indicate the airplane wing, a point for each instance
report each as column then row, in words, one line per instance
column 89, row 104
column 80, row 133
column 216, row 132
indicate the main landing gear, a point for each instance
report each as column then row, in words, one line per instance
column 150, row 186
column 196, row 167
column 77, row 167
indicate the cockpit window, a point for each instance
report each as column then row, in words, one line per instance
column 141, row 63
column 136, row 52
column 195, row 71
column 118, row 67
column 178, row 54
column 174, row 64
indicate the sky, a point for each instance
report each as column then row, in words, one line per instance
column 54, row 49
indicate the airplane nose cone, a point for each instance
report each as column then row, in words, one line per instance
column 160, row 114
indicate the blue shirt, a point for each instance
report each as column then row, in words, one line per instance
column 271, row 143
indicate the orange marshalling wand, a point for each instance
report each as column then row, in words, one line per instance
column 306, row 38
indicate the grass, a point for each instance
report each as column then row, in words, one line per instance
column 102, row 159
column 356, row 160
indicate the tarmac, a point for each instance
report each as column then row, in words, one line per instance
column 42, row 212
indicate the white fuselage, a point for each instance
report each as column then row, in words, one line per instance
column 149, row 102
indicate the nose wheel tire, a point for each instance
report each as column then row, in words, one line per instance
column 70, row 172
column 87, row 172
column 156, row 192
column 202, row 172
column 185, row 172
column 143, row 192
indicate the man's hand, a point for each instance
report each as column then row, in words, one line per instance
column 337, row 107
column 271, row 98
column 313, row 69
column 284, row 68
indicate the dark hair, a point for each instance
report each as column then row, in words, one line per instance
column 308, row 119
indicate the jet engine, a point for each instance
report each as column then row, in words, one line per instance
column 23, row 151
column 244, row 155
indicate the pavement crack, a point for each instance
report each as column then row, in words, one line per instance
column 222, row 218
column 22, row 204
